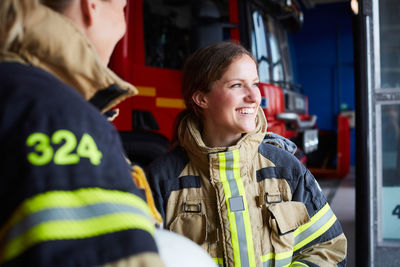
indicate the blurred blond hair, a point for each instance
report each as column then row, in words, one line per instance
column 12, row 16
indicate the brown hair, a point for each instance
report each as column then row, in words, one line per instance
column 205, row 66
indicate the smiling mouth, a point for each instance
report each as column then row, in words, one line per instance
column 246, row 110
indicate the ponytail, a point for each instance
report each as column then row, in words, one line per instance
column 12, row 16
column 176, row 126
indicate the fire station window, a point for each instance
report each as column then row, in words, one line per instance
column 175, row 28
column 166, row 33
column 390, row 164
column 389, row 43
column 285, row 54
column 259, row 47
column 276, row 57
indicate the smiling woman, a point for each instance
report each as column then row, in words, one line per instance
column 230, row 108
column 219, row 84
column 244, row 200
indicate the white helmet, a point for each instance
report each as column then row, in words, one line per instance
column 178, row 251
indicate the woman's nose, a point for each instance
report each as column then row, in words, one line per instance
column 253, row 94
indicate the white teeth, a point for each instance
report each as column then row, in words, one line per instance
column 247, row 110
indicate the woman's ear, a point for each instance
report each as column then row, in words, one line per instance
column 87, row 8
column 200, row 99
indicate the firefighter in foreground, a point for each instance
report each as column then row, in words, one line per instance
column 66, row 191
column 245, row 201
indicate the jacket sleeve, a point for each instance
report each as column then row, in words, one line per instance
column 158, row 186
column 321, row 241
column 163, row 176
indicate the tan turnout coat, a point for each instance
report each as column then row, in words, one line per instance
column 251, row 204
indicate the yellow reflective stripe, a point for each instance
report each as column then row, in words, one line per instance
column 76, row 198
column 146, row 91
column 170, row 102
column 267, row 257
column 80, row 197
column 277, row 259
column 55, row 230
column 283, row 255
column 298, row 264
column 218, row 261
column 246, row 215
column 315, row 218
column 231, row 215
column 318, row 225
column 316, row 234
column 238, row 215
column 58, row 200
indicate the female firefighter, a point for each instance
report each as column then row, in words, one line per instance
column 245, row 201
column 66, row 191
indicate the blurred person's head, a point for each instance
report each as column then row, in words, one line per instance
column 102, row 21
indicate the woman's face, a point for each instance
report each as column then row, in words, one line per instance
column 233, row 100
column 109, row 28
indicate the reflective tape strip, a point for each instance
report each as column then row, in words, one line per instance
column 58, row 214
column 146, row 91
column 239, row 219
column 278, row 260
column 76, row 214
column 219, row 261
column 303, row 235
column 170, row 102
column 298, row 264
column 317, row 225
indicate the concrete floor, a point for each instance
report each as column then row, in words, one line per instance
column 341, row 197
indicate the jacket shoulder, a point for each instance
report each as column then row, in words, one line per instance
column 38, row 92
column 280, row 157
column 285, row 165
column 169, row 165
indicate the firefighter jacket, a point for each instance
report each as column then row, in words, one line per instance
column 251, row 204
column 67, row 196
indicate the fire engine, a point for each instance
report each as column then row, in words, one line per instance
column 162, row 33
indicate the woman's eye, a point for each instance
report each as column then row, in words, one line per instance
column 236, row 85
column 256, row 84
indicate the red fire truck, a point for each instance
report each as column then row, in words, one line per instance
column 160, row 36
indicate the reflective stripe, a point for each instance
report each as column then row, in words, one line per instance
column 303, row 235
column 84, row 213
column 59, row 214
column 239, row 220
column 219, row 261
column 298, row 264
column 278, row 260
column 146, row 91
column 317, row 225
column 170, row 102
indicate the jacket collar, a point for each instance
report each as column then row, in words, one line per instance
column 52, row 42
column 199, row 153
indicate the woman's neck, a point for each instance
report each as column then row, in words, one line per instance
column 215, row 138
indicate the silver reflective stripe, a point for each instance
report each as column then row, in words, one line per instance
column 268, row 263
column 277, row 263
column 314, row 227
column 72, row 214
column 244, row 257
column 283, row 262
